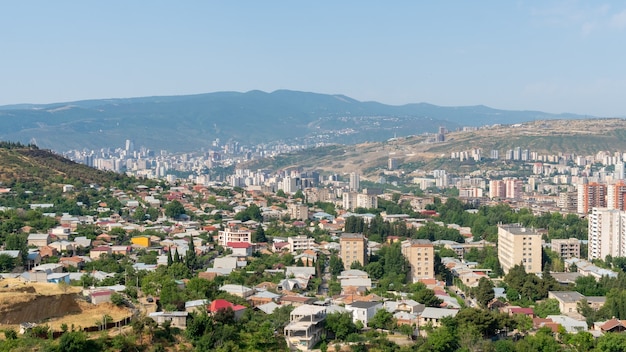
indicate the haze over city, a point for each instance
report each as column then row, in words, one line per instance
column 553, row 56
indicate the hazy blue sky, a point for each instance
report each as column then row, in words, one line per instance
column 555, row 56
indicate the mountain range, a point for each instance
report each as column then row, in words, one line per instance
column 192, row 122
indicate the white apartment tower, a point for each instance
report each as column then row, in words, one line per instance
column 607, row 233
column 354, row 181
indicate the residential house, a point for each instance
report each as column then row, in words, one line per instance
column 176, row 319
column 56, row 278
column 306, row 327
column 568, row 300
column 96, row 252
column 198, row 305
column 100, row 296
column 242, row 249
column 263, row 297
column 38, row 239
column 613, row 325
column 363, row 311
column 76, row 262
column 238, row 290
column 570, row 324
column 296, row 301
column 220, row 304
column 432, row 316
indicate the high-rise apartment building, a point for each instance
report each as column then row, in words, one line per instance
column 591, row 195
column 497, row 190
column 421, row 257
column 519, row 245
column 606, row 233
column 353, row 249
column 616, row 195
column 355, row 182
column 514, row 188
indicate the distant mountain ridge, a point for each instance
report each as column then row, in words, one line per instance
column 192, row 122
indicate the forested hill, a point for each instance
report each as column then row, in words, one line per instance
column 26, row 164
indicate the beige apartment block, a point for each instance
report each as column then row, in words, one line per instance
column 421, row 257
column 353, row 249
column 519, row 245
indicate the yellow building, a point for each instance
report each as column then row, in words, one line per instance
column 421, row 257
column 353, row 249
column 519, row 245
column 143, row 241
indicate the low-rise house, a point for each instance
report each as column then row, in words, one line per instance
column 56, row 278
column 267, row 308
column 62, row 245
column 263, row 297
column 96, row 252
column 38, row 239
column 570, row 324
column 613, row 325
column 198, row 305
column 49, row 268
column 568, row 300
column 243, row 249
column 76, row 262
column 100, row 296
column 82, row 241
column 176, row 319
column 142, row 241
column 220, row 304
column 296, row 301
column 238, row 290
column 306, row 327
column 123, row 250
column 432, row 316
column 33, row 259
column 363, row 311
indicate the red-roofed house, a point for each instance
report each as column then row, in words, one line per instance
column 243, row 249
column 220, row 304
column 279, row 246
column 613, row 325
column 518, row 310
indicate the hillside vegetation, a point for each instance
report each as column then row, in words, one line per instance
column 582, row 137
column 30, row 165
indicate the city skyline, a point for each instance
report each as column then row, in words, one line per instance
column 551, row 56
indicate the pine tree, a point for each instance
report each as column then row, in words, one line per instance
column 170, row 261
column 176, row 256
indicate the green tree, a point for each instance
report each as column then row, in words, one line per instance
column 7, row 263
column 174, row 209
column 549, row 306
column 340, row 325
column 335, row 265
column 383, row 319
column 259, row 235
column 484, row 292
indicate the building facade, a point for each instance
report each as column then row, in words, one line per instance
column 519, row 245
column 566, row 248
column 606, row 233
column 234, row 232
column 591, row 195
column 353, row 249
column 421, row 257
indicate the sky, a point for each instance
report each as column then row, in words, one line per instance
column 552, row 56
